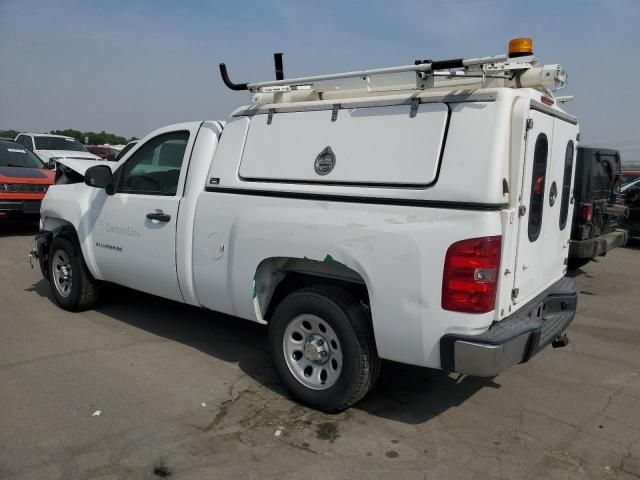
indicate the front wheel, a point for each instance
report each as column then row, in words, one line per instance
column 323, row 347
column 72, row 285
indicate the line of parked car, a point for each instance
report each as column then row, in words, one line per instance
column 28, row 165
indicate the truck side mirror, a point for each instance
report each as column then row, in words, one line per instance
column 98, row 176
column 51, row 164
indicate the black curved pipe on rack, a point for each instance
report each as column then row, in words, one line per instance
column 277, row 60
column 227, row 81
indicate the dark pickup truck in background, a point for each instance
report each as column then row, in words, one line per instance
column 596, row 217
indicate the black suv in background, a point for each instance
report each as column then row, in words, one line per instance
column 596, row 217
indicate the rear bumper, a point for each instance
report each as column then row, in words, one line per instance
column 595, row 247
column 635, row 234
column 20, row 206
column 516, row 338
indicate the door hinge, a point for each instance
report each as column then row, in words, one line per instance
column 414, row 107
column 529, row 123
column 334, row 112
column 522, row 210
column 270, row 116
column 515, row 292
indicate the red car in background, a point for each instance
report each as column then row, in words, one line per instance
column 105, row 153
column 24, row 180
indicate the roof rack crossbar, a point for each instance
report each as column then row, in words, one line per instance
column 422, row 67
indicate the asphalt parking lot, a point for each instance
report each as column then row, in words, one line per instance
column 146, row 388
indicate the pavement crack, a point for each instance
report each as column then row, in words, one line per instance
column 621, row 466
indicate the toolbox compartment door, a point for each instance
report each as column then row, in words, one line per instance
column 386, row 145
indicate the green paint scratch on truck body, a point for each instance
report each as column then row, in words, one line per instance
column 331, row 260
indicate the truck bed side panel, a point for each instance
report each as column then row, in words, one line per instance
column 398, row 251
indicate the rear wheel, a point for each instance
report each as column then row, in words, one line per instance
column 72, row 285
column 323, row 348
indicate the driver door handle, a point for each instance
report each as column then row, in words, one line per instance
column 161, row 217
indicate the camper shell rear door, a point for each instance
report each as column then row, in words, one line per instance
column 545, row 204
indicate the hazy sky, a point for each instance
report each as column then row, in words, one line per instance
column 129, row 67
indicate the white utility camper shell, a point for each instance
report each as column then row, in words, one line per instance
column 411, row 213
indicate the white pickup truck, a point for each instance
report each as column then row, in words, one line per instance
column 52, row 148
column 414, row 213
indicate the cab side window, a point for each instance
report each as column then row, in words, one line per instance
column 536, row 202
column 155, row 168
column 566, row 185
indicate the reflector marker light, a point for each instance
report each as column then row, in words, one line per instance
column 547, row 100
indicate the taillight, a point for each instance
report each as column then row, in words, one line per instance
column 587, row 213
column 470, row 276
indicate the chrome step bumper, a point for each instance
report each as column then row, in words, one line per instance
column 516, row 338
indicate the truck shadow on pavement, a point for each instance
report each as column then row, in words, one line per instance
column 403, row 393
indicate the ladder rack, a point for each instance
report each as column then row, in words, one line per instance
column 518, row 69
column 426, row 67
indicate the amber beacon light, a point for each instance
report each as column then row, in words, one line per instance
column 520, row 47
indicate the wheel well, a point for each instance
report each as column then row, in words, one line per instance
column 275, row 278
column 60, row 227
column 51, row 229
column 295, row 281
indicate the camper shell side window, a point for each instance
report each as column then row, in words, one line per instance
column 538, row 177
column 566, row 185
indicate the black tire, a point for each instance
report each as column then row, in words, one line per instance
column 83, row 292
column 351, row 323
column 576, row 263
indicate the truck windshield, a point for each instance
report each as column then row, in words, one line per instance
column 59, row 143
column 15, row 155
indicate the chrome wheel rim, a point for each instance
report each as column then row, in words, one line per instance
column 312, row 352
column 61, row 271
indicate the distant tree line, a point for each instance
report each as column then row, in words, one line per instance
column 94, row 138
column 8, row 133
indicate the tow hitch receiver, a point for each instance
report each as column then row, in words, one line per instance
column 560, row 341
